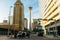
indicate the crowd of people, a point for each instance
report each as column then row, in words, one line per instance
column 20, row 34
column 24, row 34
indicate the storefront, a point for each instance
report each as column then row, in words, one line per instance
column 58, row 30
column 3, row 31
column 53, row 28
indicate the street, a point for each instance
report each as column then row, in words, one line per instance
column 33, row 37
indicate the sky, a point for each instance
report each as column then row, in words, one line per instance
column 5, row 8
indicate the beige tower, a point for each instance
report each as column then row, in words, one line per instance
column 18, row 16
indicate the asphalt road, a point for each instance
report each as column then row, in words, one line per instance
column 33, row 37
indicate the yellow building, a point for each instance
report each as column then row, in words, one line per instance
column 18, row 15
column 25, row 23
column 50, row 9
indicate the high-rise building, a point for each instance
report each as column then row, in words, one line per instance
column 25, row 23
column 16, row 21
column 18, row 16
column 5, row 21
column 11, row 20
column 50, row 9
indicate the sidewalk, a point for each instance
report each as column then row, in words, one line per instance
column 2, row 37
column 52, row 37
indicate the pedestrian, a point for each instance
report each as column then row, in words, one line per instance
column 23, row 34
column 28, row 34
column 19, row 34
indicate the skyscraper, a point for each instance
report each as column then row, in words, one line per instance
column 18, row 16
column 25, row 23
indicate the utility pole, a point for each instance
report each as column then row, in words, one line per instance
column 9, row 20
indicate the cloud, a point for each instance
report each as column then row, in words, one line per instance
column 5, row 6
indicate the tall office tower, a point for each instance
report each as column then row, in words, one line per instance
column 50, row 9
column 25, row 23
column 18, row 16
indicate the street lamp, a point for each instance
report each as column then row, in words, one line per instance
column 30, row 9
column 9, row 20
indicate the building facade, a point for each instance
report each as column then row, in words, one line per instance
column 5, row 21
column 11, row 20
column 18, row 16
column 35, row 23
column 50, row 9
column 25, row 23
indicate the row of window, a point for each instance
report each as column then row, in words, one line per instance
column 52, row 11
column 52, row 23
column 51, row 8
column 48, row 6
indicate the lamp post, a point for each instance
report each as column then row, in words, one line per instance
column 9, row 20
column 30, row 9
